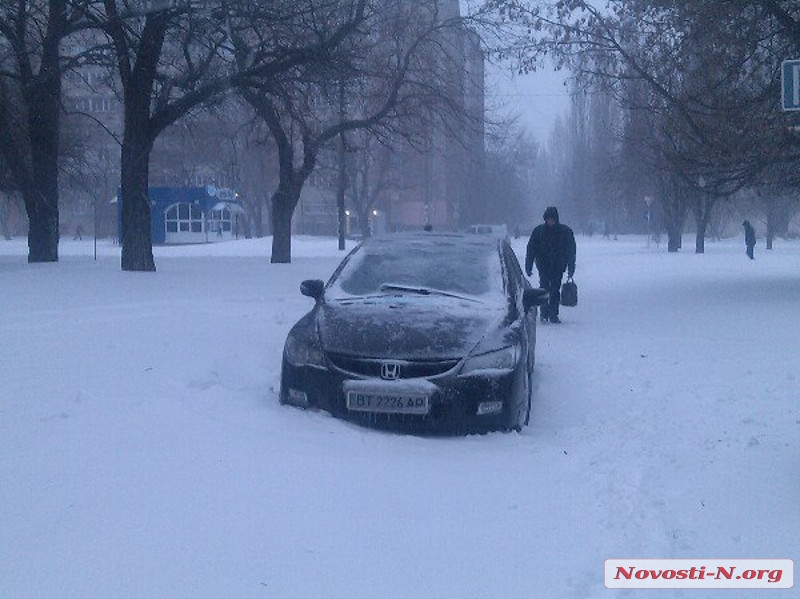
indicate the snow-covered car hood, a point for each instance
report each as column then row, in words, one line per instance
column 407, row 327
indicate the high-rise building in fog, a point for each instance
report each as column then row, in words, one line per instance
column 446, row 175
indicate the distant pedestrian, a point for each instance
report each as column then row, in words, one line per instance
column 552, row 249
column 78, row 233
column 749, row 239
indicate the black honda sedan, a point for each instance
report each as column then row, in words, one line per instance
column 429, row 332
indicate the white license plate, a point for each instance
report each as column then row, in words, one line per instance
column 387, row 403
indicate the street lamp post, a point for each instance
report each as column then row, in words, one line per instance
column 94, row 226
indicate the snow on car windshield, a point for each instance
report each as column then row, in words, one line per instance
column 450, row 265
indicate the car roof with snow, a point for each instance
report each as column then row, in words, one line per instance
column 434, row 238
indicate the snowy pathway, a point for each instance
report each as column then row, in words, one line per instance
column 143, row 454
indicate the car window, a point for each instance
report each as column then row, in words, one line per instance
column 452, row 266
column 517, row 282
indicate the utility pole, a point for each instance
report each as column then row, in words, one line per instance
column 342, row 184
column 94, row 226
column 648, row 200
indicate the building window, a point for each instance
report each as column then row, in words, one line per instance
column 83, row 104
column 186, row 218
column 220, row 221
column 101, row 105
column 96, row 78
column 93, row 104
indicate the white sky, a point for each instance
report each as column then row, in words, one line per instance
column 536, row 98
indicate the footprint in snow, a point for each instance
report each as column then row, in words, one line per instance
column 205, row 384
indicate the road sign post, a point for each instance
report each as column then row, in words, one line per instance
column 790, row 85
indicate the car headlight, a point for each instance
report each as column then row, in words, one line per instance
column 504, row 359
column 301, row 354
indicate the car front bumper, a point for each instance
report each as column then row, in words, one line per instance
column 453, row 399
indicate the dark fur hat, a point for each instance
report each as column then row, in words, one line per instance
column 551, row 212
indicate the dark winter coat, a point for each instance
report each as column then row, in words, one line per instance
column 551, row 248
column 749, row 234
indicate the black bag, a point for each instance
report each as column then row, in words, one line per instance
column 569, row 294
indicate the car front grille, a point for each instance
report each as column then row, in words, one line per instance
column 408, row 369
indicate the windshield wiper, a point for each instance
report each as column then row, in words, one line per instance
column 350, row 298
column 424, row 291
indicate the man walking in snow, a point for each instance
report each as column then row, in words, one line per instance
column 749, row 238
column 552, row 249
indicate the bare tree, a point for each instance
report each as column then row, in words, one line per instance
column 508, row 185
column 393, row 71
column 175, row 59
column 32, row 33
column 706, row 77
column 373, row 175
column 159, row 86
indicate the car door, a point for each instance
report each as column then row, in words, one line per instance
column 518, row 282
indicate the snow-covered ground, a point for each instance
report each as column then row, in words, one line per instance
column 143, row 453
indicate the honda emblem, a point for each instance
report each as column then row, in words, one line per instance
column 390, row 371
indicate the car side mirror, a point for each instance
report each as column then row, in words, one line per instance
column 534, row 297
column 313, row 288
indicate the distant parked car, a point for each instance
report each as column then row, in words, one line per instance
column 420, row 331
column 496, row 230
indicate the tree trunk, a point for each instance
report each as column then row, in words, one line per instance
column 41, row 199
column 284, row 201
column 674, row 226
column 674, row 209
column 137, row 242
column 702, row 217
column 700, row 239
column 771, row 222
column 41, row 205
column 258, row 219
column 364, row 221
column 138, row 81
column 42, row 232
column 5, row 208
column 673, row 239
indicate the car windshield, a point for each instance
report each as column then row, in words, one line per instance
column 453, row 266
